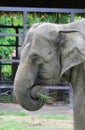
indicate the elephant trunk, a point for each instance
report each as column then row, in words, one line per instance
column 23, row 89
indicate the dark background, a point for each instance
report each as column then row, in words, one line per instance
column 44, row 3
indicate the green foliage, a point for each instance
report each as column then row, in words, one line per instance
column 7, row 72
column 14, row 125
column 5, row 99
column 15, row 19
column 43, row 97
column 21, row 121
column 53, row 116
column 64, row 18
column 79, row 17
column 7, row 113
column 39, row 17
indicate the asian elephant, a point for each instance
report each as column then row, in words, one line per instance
column 50, row 52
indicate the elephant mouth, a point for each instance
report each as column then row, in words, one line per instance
column 36, row 91
column 45, row 82
column 38, row 87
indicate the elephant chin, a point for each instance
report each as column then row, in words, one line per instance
column 28, row 98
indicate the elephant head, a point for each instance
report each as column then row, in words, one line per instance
column 48, row 52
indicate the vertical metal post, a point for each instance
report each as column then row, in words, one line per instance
column 24, row 22
column 58, row 18
column 71, row 97
column 17, row 42
column 14, row 68
column 71, row 89
column 72, row 17
column 0, row 67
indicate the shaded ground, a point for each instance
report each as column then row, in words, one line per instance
column 36, row 123
column 47, row 109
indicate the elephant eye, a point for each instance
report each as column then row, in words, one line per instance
column 34, row 58
column 40, row 65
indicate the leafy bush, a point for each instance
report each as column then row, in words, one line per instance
column 6, row 72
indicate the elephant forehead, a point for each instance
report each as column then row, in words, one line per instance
column 47, row 30
column 40, row 43
column 43, row 50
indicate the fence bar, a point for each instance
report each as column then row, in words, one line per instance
column 47, row 10
column 15, row 35
column 72, row 17
column 14, row 69
column 25, row 22
column 71, row 97
column 0, row 67
column 8, row 60
column 10, row 26
column 58, row 87
column 16, row 43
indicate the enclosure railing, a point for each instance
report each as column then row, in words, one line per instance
column 25, row 11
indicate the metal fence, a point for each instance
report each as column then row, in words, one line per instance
column 25, row 11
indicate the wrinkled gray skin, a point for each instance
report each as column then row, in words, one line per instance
column 51, row 51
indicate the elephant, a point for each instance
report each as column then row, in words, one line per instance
column 52, row 51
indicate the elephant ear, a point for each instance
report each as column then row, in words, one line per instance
column 72, row 46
